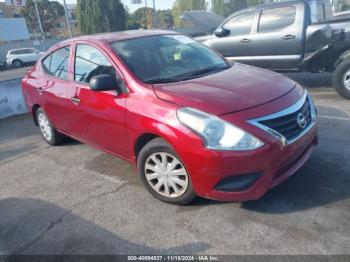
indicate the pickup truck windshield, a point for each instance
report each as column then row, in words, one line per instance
column 168, row 58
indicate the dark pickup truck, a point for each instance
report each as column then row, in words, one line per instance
column 297, row 35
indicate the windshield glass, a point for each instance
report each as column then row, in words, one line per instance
column 168, row 58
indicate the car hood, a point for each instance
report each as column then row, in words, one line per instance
column 237, row 88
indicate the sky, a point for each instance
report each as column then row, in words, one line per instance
column 160, row 4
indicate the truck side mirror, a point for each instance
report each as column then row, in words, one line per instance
column 338, row 34
column 222, row 32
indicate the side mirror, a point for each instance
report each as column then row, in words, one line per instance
column 105, row 82
column 338, row 34
column 222, row 32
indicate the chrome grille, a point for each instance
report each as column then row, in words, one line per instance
column 287, row 125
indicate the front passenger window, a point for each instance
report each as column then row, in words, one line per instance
column 90, row 62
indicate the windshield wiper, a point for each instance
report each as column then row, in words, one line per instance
column 162, row 80
column 203, row 72
column 187, row 76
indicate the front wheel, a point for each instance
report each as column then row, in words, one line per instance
column 163, row 173
column 341, row 79
column 48, row 132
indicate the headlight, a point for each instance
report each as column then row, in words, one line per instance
column 216, row 133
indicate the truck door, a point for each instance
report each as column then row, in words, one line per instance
column 277, row 41
column 236, row 44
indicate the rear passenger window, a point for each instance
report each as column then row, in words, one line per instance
column 240, row 24
column 90, row 62
column 56, row 64
column 276, row 19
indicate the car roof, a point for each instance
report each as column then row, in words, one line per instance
column 118, row 36
column 19, row 49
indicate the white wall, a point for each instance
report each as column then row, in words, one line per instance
column 11, row 99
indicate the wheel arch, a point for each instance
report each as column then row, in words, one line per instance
column 343, row 56
column 141, row 141
column 35, row 108
column 17, row 59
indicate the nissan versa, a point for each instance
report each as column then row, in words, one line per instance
column 193, row 123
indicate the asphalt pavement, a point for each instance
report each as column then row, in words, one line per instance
column 74, row 199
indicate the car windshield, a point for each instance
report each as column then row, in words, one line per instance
column 168, row 58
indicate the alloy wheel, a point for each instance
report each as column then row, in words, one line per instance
column 346, row 80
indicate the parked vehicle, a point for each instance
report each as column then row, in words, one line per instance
column 295, row 35
column 192, row 123
column 20, row 57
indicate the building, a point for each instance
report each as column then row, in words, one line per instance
column 12, row 25
column 7, row 11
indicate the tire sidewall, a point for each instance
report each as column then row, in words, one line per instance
column 156, row 146
column 338, row 79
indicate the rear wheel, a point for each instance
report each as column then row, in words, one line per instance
column 163, row 173
column 48, row 132
column 17, row 63
column 341, row 79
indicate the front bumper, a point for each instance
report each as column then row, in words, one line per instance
column 220, row 175
column 274, row 163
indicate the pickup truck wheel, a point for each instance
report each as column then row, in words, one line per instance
column 48, row 132
column 341, row 79
column 163, row 173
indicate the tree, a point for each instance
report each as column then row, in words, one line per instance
column 186, row 5
column 226, row 9
column 144, row 17
column 256, row 2
column 165, row 19
column 50, row 13
column 97, row 16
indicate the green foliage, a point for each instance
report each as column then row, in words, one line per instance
column 186, row 5
column 225, row 10
column 255, row 2
column 50, row 13
column 144, row 17
column 165, row 19
column 97, row 16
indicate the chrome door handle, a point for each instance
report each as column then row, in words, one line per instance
column 245, row 40
column 287, row 37
column 75, row 100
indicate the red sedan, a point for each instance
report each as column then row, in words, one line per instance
column 193, row 123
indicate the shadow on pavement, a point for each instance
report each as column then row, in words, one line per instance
column 32, row 227
column 323, row 180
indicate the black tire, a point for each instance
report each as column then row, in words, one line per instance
column 339, row 75
column 156, row 146
column 56, row 137
column 17, row 63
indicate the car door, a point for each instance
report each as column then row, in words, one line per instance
column 26, row 55
column 97, row 118
column 30, row 55
column 53, row 86
column 237, row 44
column 278, row 37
